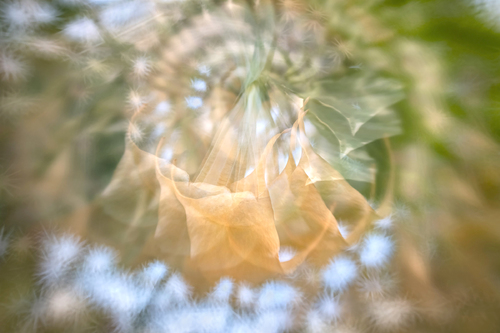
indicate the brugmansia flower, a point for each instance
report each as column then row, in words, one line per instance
column 238, row 229
column 237, row 184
